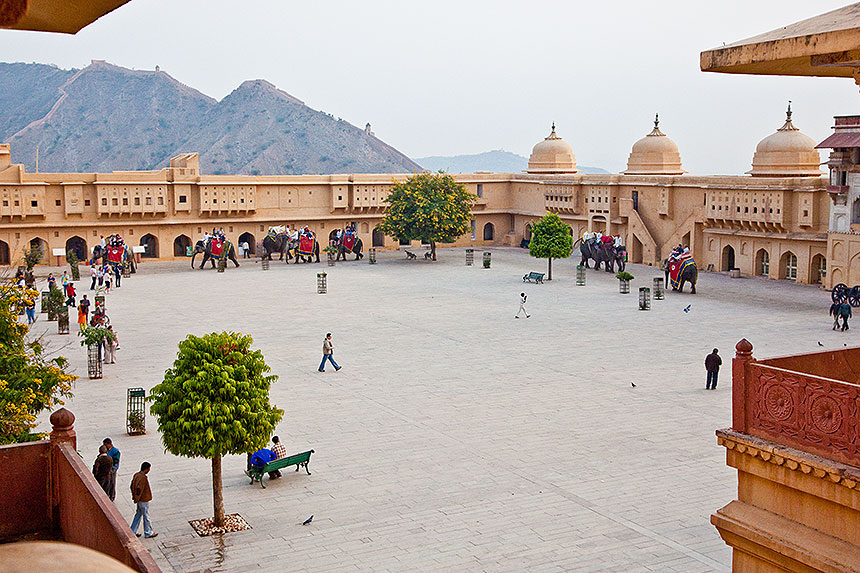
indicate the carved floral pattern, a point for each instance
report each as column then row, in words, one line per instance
column 778, row 402
column 825, row 414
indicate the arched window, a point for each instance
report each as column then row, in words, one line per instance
column 489, row 232
column 41, row 244
column 252, row 242
column 762, row 263
column 789, row 266
column 181, row 244
column 727, row 262
column 150, row 246
column 78, row 246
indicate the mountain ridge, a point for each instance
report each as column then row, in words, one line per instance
column 108, row 118
column 496, row 161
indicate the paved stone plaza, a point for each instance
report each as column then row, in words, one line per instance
column 455, row 436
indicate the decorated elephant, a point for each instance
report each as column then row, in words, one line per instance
column 602, row 252
column 276, row 243
column 214, row 249
column 348, row 242
column 680, row 268
column 115, row 253
column 306, row 249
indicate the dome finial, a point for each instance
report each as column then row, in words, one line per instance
column 552, row 134
column 656, row 121
column 788, row 113
column 788, row 126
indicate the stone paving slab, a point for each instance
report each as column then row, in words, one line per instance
column 455, row 436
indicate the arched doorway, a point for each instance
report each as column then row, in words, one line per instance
column 598, row 223
column 762, row 263
column 252, row 242
column 180, row 246
column 4, row 253
column 78, row 246
column 41, row 244
column 378, row 238
column 527, row 232
column 818, row 269
column 333, row 235
column 489, row 232
column 788, row 266
column 727, row 262
column 150, row 246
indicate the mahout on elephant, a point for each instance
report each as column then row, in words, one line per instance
column 680, row 268
column 114, row 253
column 346, row 241
column 605, row 249
column 306, row 248
column 214, row 248
column 278, row 240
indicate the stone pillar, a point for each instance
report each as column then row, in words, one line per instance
column 63, row 428
column 743, row 356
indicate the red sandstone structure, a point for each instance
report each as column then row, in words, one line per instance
column 48, row 493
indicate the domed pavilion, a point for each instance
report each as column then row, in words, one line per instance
column 786, row 153
column 553, row 155
column 654, row 154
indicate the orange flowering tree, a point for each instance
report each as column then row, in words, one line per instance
column 431, row 207
column 29, row 381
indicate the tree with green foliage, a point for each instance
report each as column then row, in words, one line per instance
column 30, row 382
column 214, row 401
column 550, row 240
column 431, row 207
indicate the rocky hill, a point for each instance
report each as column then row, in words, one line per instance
column 108, row 118
column 497, row 161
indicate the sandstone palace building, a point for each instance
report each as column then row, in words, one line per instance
column 783, row 219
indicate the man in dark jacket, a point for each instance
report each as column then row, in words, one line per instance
column 102, row 468
column 712, row 365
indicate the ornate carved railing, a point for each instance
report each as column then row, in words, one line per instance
column 811, row 413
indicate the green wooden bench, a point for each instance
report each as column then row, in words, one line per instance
column 536, row 277
column 298, row 460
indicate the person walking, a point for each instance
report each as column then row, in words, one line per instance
column 85, row 303
column 52, row 282
column 102, row 467
column 114, row 453
column 522, row 309
column 845, row 311
column 712, row 365
column 117, row 271
column 93, row 275
column 141, row 495
column 108, row 273
column 70, row 294
column 100, row 274
column 328, row 351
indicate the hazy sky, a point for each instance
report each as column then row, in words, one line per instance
column 446, row 77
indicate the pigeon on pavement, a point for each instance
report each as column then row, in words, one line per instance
column 689, row 306
column 308, row 520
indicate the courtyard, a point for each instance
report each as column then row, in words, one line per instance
column 455, row 437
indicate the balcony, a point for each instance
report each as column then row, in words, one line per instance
column 837, row 189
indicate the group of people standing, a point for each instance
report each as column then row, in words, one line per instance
column 105, row 470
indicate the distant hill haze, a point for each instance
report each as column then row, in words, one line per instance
column 107, row 118
column 497, row 161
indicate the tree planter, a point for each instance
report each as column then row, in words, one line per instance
column 470, row 257
column 63, row 320
column 135, row 412
column 580, row 275
column 487, row 260
column 322, row 286
column 623, row 286
column 371, row 256
column 331, row 260
column 44, row 300
column 100, row 300
column 94, row 361
column 644, row 298
column 126, row 270
column 658, row 288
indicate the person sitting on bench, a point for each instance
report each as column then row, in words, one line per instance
column 280, row 452
column 261, row 457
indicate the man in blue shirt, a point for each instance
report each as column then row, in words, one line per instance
column 113, row 452
column 261, row 457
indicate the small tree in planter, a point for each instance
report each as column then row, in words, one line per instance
column 55, row 301
column 551, row 239
column 331, row 252
column 214, row 401
column 32, row 257
column 94, row 338
column 73, row 261
column 624, row 279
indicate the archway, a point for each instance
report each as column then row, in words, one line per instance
column 251, row 240
column 788, row 266
column 527, row 232
column 762, row 263
column 378, row 238
column 636, row 249
column 598, row 223
column 727, row 261
column 489, row 232
column 150, row 246
column 333, row 235
column 78, row 246
column 4, row 253
column 41, row 244
column 180, row 246
column 818, row 269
